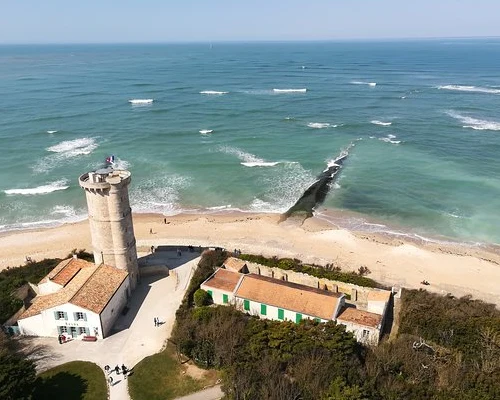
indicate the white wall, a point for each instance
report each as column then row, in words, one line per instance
column 48, row 287
column 114, row 307
column 45, row 324
column 372, row 338
column 376, row 307
column 217, row 295
column 271, row 311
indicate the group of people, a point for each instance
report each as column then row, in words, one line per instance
column 237, row 252
column 124, row 370
column 157, row 321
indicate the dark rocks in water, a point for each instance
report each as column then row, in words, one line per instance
column 316, row 193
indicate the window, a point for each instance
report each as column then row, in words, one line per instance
column 281, row 314
column 298, row 317
column 210, row 293
column 82, row 330
column 263, row 309
column 246, row 305
column 60, row 315
column 80, row 316
column 365, row 333
column 62, row 329
column 225, row 299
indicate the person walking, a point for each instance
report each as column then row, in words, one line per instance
column 124, row 371
column 110, row 381
column 156, row 322
column 117, row 370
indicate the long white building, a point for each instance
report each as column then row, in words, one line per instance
column 280, row 300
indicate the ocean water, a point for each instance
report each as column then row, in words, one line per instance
column 250, row 127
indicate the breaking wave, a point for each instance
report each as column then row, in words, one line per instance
column 247, row 159
column 213, row 92
column 390, row 139
column 318, row 125
column 471, row 89
column 206, row 131
column 372, row 84
column 51, row 131
column 71, row 148
column 141, row 101
column 290, row 90
column 44, row 189
column 474, row 123
column 381, row 123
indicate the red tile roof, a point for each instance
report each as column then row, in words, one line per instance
column 360, row 317
column 223, row 280
column 290, row 296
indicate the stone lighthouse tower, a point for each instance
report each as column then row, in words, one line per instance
column 110, row 219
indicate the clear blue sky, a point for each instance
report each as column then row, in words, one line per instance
column 92, row 21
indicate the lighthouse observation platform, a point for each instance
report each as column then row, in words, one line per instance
column 104, row 178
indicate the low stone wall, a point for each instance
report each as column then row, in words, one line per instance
column 357, row 293
column 154, row 270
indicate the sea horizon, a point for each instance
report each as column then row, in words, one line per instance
column 248, row 126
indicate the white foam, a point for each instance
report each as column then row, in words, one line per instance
column 51, row 131
column 219, row 207
column 66, row 211
column 389, row 139
column 290, row 90
column 74, row 147
column 141, row 101
column 371, row 84
column 472, row 89
column 381, row 123
column 260, row 164
column 247, row 159
column 206, row 131
column 474, row 123
column 319, row 125
column 44, row 189
column 213, row 92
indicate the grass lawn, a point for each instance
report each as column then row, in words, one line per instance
column 162, row 377
column 77, row 380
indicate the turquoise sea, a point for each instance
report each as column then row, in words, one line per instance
column 424, row 117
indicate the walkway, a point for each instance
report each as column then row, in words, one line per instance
column 213, row 393
column 136, row 336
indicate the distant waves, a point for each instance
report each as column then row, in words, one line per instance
column 470, row 89
column 475, row 123
column 44, row 189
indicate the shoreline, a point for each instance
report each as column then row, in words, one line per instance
column 393, row 261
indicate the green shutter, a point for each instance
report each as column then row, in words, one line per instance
column 56, row 315
column 263, row 309
column 85, row 316
column 298, row 317
column 317, row 319
column 281, row 314
column 65, row 315
column 246, row 305
column 75, row 316
column 210, row 293
column 225, row 298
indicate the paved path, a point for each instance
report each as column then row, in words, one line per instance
column 136, row 335
column 213, row 393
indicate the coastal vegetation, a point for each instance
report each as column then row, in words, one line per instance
column 446, row 348
column 76, row 380
column 329, row 271
column 13, row 278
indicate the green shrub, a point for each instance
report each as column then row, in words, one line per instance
column 313, row 270
column 202, row 298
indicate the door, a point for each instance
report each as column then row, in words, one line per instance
column 72, row 331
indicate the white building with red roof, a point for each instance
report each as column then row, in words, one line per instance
column 77, row 298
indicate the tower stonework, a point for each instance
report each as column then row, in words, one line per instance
column 110, row 219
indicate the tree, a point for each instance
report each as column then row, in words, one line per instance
column 202, row 298
column 17, row 374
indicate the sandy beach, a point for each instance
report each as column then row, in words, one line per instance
column 449, row 268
